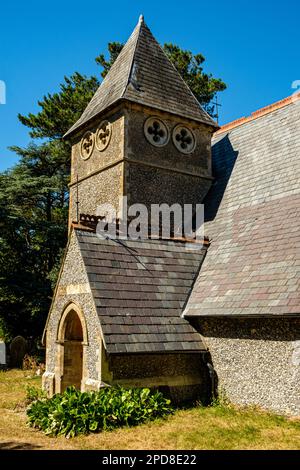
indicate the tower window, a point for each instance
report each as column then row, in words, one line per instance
column 184, row 139
column 156, row 131
column 87, row 145
column 103, row 135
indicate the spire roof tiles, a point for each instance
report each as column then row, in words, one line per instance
column 143, row 74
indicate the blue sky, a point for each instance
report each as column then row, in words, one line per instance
column 252, row 45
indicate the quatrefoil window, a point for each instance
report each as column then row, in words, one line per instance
column 87, row 145
column 184, row 139
column 103, row 135
column 156, row 132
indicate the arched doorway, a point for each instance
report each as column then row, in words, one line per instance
column 72, row 338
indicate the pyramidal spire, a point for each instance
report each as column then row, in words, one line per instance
column 143, row 74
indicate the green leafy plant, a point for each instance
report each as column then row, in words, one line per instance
column 33, row 394
column 75, row 412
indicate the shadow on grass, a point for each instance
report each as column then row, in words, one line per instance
column 12, row 445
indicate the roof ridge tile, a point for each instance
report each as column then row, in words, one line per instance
column 259, row 113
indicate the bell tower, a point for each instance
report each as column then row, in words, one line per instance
column 143, row 135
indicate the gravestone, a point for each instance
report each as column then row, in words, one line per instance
column 18, row 349
column 2, row 354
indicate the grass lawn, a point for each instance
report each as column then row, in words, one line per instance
column 197, row 428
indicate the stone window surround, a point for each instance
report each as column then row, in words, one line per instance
column 177, row 127
column 187, row 138
column 99, row 142
column 87, row 145
column 159, row 129
column 95, row 140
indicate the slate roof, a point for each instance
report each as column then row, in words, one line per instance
column 143, row 74
column 252, row 266
column 140, row 289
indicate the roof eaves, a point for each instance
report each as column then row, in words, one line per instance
column 209, row 118
column 259, row 113
column 74, row 129
column 162, row 351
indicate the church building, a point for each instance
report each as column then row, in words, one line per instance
column 192, row 318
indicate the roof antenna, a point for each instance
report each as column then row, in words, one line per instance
column 217, row 105
column 77, row 201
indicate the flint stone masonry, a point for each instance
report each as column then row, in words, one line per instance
column 138, row 148
column 98, row 160
column 126, row 98
column 163, row 186
column 252, row 268
column 155, row 175
column 73, row 277
column 102, row 188
column 256, row 360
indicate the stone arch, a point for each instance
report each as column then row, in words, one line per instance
column 72, row 340
column 62, row 323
